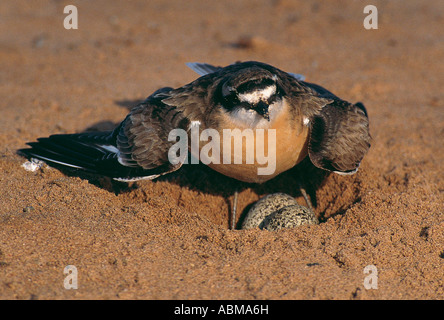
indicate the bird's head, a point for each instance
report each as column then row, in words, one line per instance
column 251, row 92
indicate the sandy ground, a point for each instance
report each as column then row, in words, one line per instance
column 170, row 238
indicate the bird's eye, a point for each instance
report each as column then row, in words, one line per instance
column 227, row 90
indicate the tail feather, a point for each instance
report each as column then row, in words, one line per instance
column 79, row 152
column 44, row 153
column 92, row 152
column 85, row 151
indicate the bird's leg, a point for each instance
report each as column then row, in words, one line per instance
column 305, row 195
column 302, row 189
column 233, row 212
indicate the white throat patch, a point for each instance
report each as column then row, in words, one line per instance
column 243, row 118
column 255, row 96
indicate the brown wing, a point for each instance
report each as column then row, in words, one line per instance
column 339, row 137
column 142, row 138
column 137, row 149
column 339, row 131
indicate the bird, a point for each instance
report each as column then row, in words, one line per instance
column 307, row 121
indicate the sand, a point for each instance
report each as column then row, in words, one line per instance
column 170, row 238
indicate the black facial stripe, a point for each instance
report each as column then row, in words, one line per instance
column 232, row 100
column 255, row 85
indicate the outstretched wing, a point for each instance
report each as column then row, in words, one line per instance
column 339, row 137
column 136, row 149
column 142, row 138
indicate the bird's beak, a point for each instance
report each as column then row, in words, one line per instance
column 262, row 109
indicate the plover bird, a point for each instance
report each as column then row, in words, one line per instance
column 307, row 120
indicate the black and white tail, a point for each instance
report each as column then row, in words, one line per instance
column 94, row 152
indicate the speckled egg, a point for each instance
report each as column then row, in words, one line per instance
column 289, row 217
column 277, row 211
